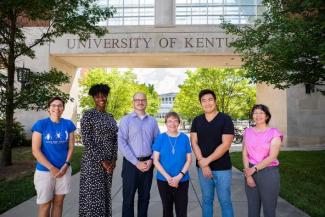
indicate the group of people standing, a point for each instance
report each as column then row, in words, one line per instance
column 143, row 147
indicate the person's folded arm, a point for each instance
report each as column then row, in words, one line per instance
column 219, row 151
column 185, row 168
column 88, row 140
column 38, row 154
column 244, row 156
column 274, row 152
column 123, row 145
column 195, row 146
column 158, row 165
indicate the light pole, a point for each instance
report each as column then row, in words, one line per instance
column 249, row 111
column 23, row 75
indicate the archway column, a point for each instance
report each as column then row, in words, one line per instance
column 70, row 110
column 165, row 13
column 276, row 100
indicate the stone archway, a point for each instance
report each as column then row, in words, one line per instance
column 174, row 46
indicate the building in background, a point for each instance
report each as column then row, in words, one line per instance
column 173, row 34
column 166, row 104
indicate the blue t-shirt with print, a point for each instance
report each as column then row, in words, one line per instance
column 172, row 163
column 55, row 140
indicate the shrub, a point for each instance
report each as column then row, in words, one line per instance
column 19, row 137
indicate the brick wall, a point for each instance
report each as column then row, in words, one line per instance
column 25, row 22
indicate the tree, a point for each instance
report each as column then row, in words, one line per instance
column 123, row 86
column 77, row 17
column 40, row 88
column 235, row 94
column 287, row 46
column 34, row 95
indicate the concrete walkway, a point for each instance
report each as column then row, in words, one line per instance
column 29, row 207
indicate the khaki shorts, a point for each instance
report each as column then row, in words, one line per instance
column 47, row 186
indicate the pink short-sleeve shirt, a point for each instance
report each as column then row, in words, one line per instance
column 258, row 144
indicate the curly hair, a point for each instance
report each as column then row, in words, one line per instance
column 99, row 88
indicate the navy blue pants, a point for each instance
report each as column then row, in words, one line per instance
column 135, row 180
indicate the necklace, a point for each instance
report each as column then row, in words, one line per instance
column 171, row 144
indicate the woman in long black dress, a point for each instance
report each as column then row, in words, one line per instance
column 99, row 136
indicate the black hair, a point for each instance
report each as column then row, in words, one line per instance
column 205, row 92
column 99, row 88
column 265, row 109
column 172, row 114
column 53, row 99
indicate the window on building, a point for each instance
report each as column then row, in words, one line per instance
column 212, row 11
column 130, row 12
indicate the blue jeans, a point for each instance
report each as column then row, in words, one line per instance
column 221, row 182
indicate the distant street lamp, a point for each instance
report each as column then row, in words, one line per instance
column 23, row 75
column 309, row 88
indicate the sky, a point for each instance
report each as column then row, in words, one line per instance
column 165, row 80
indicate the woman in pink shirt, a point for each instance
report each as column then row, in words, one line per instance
column 261, row 147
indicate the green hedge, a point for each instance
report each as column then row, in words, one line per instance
column 19, row 137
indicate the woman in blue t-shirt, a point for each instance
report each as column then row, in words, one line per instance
column 172, row 158
column 52, row 146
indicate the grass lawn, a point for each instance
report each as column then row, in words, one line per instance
column 302, row 179
column 21, row 188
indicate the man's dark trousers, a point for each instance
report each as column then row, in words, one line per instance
column 133, row 180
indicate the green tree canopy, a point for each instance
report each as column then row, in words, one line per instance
column 78, row 17
column 287, row 46
column 235, row 94
column 41, row 87
column 123, row 86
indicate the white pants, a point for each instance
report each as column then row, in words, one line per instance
column 47, row 186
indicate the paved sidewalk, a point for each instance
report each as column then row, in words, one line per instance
column 29, row 208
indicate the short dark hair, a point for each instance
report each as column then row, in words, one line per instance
column 205, row 92
column 172, row 114
column 53, row 99
column 265, row 109
column 99, row 88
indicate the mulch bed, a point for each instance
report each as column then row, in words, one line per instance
column 17, row 169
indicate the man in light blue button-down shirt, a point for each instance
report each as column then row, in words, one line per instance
column 136, row 135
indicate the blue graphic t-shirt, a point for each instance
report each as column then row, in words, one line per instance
column 55, row 140
column 172, row 154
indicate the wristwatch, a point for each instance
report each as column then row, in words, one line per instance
column 68, row 163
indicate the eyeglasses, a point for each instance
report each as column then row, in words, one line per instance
column 58, row 106
column 259, row 113
column 172, row 121
column 139, row 100
column 208, row 100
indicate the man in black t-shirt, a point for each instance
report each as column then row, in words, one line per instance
column 211, row 137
